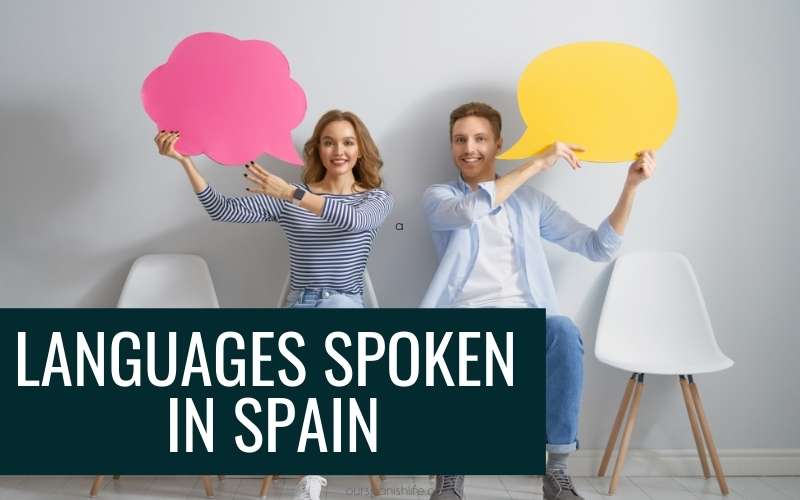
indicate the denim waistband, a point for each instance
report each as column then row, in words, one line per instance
column 314, row 293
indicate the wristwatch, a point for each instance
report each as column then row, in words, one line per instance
column 297, row 196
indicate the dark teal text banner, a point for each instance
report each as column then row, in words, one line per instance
column 262, row 391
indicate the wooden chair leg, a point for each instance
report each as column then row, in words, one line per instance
column 698, row 438
column 626, row 434
column 375, row 485
column 612, row 438
column 208, row 486
column 265, row 484
column 712, row 448
column 98, row 481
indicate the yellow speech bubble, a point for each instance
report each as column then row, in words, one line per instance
column 611, row 98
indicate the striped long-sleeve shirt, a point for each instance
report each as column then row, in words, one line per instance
column 328, row 250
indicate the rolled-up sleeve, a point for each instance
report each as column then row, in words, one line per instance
column 445, row 209
column 244, row 209
column 560, row 227
column 365, row 215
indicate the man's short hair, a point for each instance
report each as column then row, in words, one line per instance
column 477, row 109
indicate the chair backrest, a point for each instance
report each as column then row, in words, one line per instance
column 167, row 281
column 370, row 299
column 654, row 312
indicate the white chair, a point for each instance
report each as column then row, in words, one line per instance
column 167, row 281
column 370, row 299
column 371, row 302
column 654, row 320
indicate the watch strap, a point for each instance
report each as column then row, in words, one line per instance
column 297, row 196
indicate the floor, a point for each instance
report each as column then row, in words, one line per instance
column 397, row 488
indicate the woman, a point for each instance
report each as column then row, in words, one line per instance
column 330, row 219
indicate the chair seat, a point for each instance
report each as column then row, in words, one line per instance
column 657, row 364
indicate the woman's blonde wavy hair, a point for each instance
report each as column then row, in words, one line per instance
column 369, row 163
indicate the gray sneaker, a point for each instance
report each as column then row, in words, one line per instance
column 449, row 488
column 557, row 485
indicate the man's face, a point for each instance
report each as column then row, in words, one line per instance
column 474, row 147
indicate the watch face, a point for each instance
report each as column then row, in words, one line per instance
column 298, row 194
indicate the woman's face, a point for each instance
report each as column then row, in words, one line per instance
column 338, row 147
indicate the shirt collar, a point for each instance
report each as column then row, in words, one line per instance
column 464, row 187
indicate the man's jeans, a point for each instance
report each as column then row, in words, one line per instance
column 563, row 357
column 564, row 384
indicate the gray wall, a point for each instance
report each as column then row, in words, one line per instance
column 84, row 192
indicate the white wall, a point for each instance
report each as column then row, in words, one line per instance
column 84, row 192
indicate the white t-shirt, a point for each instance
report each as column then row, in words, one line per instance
column 497, row 279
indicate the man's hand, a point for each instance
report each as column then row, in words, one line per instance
column 267, row 183
column 553, row 152
column 641, row 169
column 507, row 184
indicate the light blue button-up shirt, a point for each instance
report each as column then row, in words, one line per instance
column 452, row 211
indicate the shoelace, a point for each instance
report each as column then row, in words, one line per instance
column 451, row 483
column 562, row 479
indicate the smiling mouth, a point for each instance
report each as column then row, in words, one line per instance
column 339, row 162
column 470, row 161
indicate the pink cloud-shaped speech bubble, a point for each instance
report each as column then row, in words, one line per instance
column 231, row 99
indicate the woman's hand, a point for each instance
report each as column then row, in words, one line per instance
column 267, row 183
column 641, row 169
column 166, row 144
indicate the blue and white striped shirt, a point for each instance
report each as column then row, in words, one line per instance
column 325, row 251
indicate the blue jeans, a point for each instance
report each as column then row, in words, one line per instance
column 564, row 384
column 313, row 298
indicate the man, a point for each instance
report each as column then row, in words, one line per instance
column 488, row 233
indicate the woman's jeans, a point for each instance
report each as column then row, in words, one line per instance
column 564, row 384
column 313, row 298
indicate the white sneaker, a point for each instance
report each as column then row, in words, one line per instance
column 310, row 487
